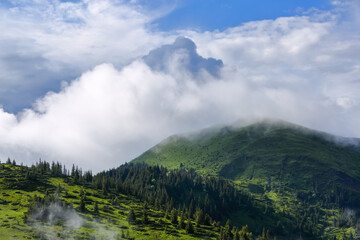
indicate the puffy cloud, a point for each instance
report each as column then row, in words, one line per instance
column 181, row 54
column 303, row 69
column 45, row 42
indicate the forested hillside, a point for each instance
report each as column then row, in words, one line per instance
column 264, row 181
column 47, row 201
column 309, row 178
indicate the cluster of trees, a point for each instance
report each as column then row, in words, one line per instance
column 39, row 207
column 54, row 169
column 166, row 189
column 189, row 200
column 229, row 233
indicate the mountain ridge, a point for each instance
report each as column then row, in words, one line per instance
column 262, row 150
column 310, row 176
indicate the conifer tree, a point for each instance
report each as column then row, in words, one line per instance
column 199, row 217
column 245, row 234
column 189, row 227
column 82, row 204
column 104, row 185
column 182, row 221
column 131, row 216
column 174, row 217
column 236, row 234
column 145, row 219
column 227, row 232
column 96, row 207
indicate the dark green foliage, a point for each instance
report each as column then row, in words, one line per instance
column 207, row 220
column 182, row 221
column 105, row 185
column 145, row 217
column 244, row 233
column 82, row 204
column 82, row 197
column 131, row 217
column 199, row 217
column 174, row 217
column 174, row 188
column 227, row 234
column 189, row 227
column 96, row 208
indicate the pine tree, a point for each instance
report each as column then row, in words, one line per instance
column 174, row 217
column 96, row 208
column 131, row 216
column 228, row 234
column 73, row 171
column 82, row 204
column 199, row 217
column 166, row 216
column 27, row 175
column 145, row 219
column 236, row 234
column 182, row 221
column 245, row 234
column 189, row 227
column 207, row 220
column 267, row 236
column 104, row 185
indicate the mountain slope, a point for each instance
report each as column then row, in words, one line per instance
column 269, row 149
column 311, row 177
column 43, row 202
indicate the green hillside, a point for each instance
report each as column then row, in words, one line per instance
column 308, row 175
column 269, row 180
column 44, row 202
column 264, row 150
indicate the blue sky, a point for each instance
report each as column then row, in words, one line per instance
column 107, row 79
column 215, row 14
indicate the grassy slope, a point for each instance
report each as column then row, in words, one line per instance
column 260, row 151
column 273, row 161
column 16, row 192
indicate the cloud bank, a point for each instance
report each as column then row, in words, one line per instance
column 45, row 42
column 304, row 69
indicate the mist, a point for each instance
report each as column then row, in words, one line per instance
column 47, row 219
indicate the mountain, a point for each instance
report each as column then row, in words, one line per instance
column 295, row 170
column 263, row 150
column 265, row 180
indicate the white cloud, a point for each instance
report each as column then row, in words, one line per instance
column 49, row 41
column 302, row 69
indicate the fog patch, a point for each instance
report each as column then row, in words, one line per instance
column 58, row 221
column 54, row 214
column 261, row 126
